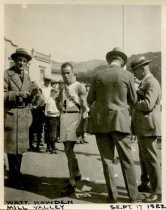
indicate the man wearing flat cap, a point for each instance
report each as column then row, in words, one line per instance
column 112, row 93
column 17, row 115
column 147, row 126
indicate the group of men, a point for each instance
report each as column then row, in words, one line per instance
column 116, row 110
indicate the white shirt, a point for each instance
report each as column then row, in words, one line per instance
column 46, row 93
column 51, row 107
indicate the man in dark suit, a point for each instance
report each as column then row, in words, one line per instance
column 147, row 123
column 112, row 93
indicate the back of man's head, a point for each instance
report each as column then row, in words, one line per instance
column 118, row 60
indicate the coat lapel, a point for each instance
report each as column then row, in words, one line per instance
column 143, row 83
column 15, row 78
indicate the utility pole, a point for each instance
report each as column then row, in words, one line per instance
column 124, row 28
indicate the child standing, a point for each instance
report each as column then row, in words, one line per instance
column 52, row 115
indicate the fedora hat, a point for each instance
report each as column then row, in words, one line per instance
column 116, row 52
column 141, row 61
column 21, row 52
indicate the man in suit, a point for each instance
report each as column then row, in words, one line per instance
column 112, row 93
column 147, row 125
column 17, row 115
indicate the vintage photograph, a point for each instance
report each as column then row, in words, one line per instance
column 82, row 104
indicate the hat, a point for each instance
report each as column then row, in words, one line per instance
column 21, row 52
column 47, row 77
column 34, row 86
column 116, row 52
column 141, row 61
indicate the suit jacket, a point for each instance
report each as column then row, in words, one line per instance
column 147, row 116
column 111, row 94
column 16, row 121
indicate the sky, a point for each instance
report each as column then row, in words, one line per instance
column 83, row 32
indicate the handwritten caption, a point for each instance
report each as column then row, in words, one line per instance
column 37, row 205
column 60, row 205
column 138, row 206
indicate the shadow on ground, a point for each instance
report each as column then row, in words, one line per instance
column 51, row 187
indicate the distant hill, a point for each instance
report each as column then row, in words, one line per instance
column 81, row 66
column 87, row 69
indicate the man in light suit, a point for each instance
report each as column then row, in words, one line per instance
column 147, row 124
column 112, row 93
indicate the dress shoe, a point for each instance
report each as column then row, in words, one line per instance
column 54, row 151
column 68, row 190
column 144, row 188
column 153, row 198
column 138, row 199
column 17, row 184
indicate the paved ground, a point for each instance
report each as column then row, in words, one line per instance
column 46, row 174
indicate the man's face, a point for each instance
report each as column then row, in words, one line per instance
column 21, row 62
column 138, row 73
column 68, row 75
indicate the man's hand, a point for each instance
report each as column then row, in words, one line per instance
column 85, row 113
column 79, row 131
column 82, row 127
column 23, row 94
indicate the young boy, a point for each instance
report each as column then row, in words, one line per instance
column 52, row 115
column 37, row 110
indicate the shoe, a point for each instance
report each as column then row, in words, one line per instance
column 48, row 150
column 68, row 190
column 17, row 184
column 78, row 178
column 54, row 151
column 86, row 142
column 144, row 188
column 153, row 198
column 138, row 199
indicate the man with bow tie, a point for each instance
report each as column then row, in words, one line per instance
column 147, row 127
column 17, row 114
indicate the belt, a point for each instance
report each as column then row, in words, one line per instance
column 71, row 111
column 20, row 107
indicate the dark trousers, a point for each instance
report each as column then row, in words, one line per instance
column 144, row 173
column 72, row 160
column 147, row 147
column 38, row 130
column 106, row 144
column 14, row 165
column 36, row 127
column 51, row 131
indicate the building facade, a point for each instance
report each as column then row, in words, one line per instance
column 40, row 66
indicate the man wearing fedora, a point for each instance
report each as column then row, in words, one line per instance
column 147, row 126
column 17, row 115
column 112, row 93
